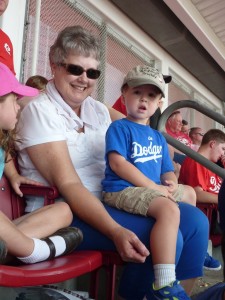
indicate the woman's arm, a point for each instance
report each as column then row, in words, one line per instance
column 53, row 162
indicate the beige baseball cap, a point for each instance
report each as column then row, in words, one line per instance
column 147, row 75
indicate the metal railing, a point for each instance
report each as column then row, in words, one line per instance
column 183, row 148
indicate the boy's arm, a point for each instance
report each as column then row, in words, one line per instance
column 168, row 176
column 130, row 173
column 205, row 197
column 169, row 179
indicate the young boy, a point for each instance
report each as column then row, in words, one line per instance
column 139, row 176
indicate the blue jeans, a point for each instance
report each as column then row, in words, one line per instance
column 137, row 279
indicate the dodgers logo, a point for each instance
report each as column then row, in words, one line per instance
column 146, row 153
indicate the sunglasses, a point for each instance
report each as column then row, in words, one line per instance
column 78, row 70
column 201, row 134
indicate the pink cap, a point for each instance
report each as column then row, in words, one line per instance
column 9, row 84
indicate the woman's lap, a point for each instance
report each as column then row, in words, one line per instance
column 194, row 226
column 137, row 278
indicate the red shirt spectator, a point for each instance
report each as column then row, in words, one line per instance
column 6, row 51
column 173, row 128
column 194, row 174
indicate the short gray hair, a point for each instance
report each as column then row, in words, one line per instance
column 74, row 40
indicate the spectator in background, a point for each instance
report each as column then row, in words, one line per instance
column 6, row 47
column 206, row 183
column 118, row 105
column 37, row 81
column 173, row 128
column 217, row 291
column 196, row 135
column 185, row 128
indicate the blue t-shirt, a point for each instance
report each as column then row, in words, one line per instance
column 142, row 146
column 2, row 162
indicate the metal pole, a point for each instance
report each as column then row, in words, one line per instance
column 36, row 37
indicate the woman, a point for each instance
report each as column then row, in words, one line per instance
column 62, row 144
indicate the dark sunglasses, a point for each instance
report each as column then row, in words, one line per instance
column 78, row 70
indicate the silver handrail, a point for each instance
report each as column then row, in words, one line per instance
column 183, row 148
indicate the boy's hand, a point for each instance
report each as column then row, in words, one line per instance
column 171, row 185
column 165, row 190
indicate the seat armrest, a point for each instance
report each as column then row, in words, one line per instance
column 49, row 193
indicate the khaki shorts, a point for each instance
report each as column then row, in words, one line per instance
column 136, row 200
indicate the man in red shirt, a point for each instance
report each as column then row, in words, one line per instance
column 6, row 48
column 173, row 128
column 205, row 182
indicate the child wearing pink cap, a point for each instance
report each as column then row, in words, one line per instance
column 43, row 234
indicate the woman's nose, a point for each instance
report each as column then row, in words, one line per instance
column 83, row 77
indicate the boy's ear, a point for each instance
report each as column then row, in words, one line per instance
column 160, row 103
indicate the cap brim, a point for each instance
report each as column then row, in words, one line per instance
column 23, row 90
column 141, row 81
column 167, row 78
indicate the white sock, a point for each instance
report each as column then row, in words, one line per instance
column 164, row 275
column 41, row 250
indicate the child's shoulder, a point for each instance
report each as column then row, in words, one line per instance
column 119, row 122
column 157, row 133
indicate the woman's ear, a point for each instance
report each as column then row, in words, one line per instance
column 53, row 67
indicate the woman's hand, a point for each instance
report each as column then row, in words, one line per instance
column 129, row 246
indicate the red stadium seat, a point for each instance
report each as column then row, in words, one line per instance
column 58, row 269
